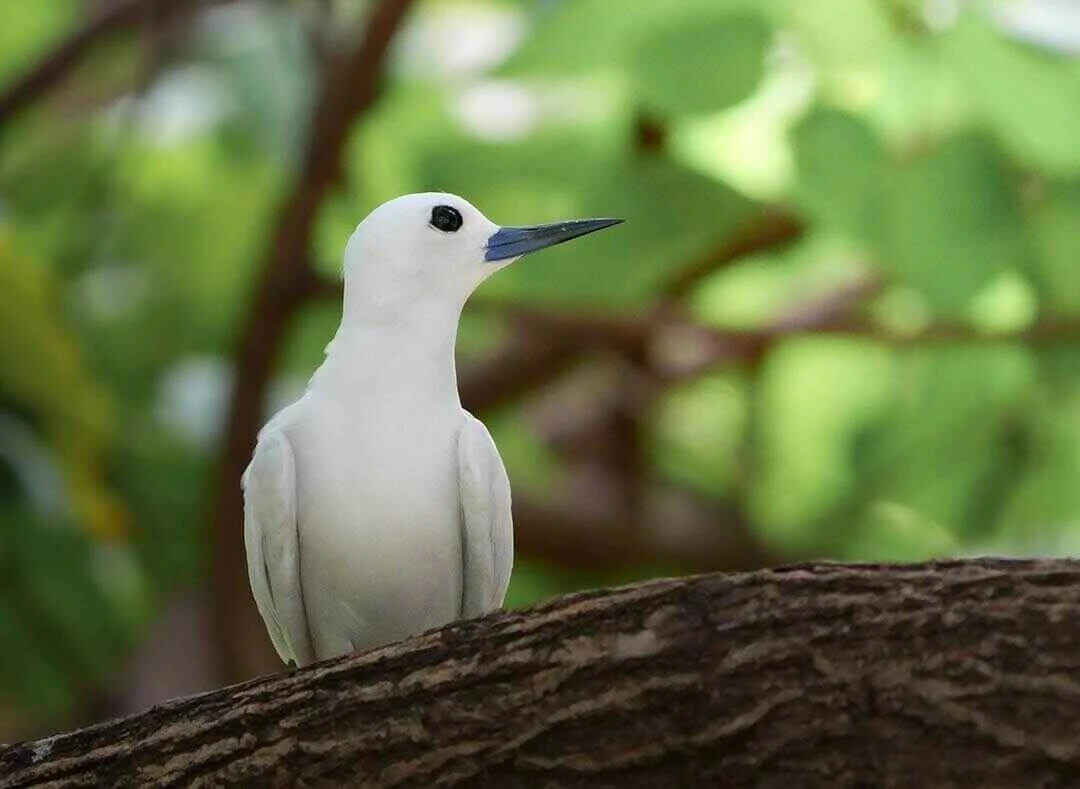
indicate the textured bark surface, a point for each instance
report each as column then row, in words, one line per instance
column 947, row 674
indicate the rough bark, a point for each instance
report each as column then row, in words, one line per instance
column 946, row 674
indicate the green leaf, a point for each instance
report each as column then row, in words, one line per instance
column 68, row 600
column 954, row 412
column 587, row 35
column 815, row 398
column 196, row 219
column 28, row 27
column 915, row 99
column 1030, row 100
column 1054, row 223
column 840, row 36
column 1042, row 513
column 842, row 170
column 696, row 64
column 59, row 621
column 29, row 678
column 163, row 484
column 954, row 222
column 947, row 222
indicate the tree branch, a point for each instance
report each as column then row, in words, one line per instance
column 772, row 231
column 55, row 66
column 711, row 345
column 959, row 673
column 521, row 364
column 349, row 87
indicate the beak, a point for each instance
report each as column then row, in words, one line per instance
column 512, row 242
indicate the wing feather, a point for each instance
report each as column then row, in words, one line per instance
column 488, row 534
column 272, row 540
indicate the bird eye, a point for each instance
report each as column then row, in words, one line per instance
column 446, row 218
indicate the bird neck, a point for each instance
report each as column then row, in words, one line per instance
column 399, row 355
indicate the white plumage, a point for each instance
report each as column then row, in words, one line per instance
column 376, row 507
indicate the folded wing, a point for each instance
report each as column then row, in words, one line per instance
column 488, row 535
column 273, row 550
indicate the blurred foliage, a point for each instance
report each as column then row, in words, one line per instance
column 930, row 147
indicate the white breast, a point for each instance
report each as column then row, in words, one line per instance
column 379, row 512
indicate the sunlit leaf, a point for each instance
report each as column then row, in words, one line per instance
column 1027, row 98
column 28, row 28
column 576, row 37
column 845, row 39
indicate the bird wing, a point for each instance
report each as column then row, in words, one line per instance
column 273, row 550
column 488, row 534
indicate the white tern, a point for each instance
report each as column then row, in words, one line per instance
column 375, row 506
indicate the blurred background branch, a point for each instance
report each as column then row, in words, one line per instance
column 104, row 21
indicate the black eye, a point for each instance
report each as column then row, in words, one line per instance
column 446, row 218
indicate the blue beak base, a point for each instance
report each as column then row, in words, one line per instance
column 512, row 242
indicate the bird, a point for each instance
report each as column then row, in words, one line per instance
column 375, row 506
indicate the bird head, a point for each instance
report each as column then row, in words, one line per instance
column 439, row 246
